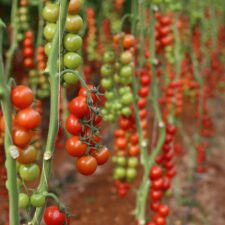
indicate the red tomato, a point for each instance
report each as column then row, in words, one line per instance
column 79, row 107
column 102, row 156
column 156, row 195
column 28, row 118
column 159, row 220
column 21, row 137
column 83, row 92
column 121, row 143
column 22, row 96
column 163, row 210
column 86, row 165
column 73, row 125
column 157, row 184
column 128, row 41
column 75, row 147
column 53, row 216
column 155, row 173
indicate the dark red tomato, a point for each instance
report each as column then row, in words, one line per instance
column 142, row 102
column 134, row 139
column 156, row 195
column 157, row 184
column 28, row 118
column 83, row 92
column 163, row 210
column 159, row 220
column 171, row 129
column 21, row 137
column 155, row 173
column 22, row 96
column 171, row 173
column 53, row 216
column 151, row 223
column 119, row 133
column 101, row 156
column 166, row 183
column 86, row 165
column 75, row 147
column 79, row 107
column 143, row 92
column 145, row 80
column 124, row 123
column 73, row 125
column 155, row 206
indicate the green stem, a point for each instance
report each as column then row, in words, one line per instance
column 14, row 43
column 10, row 162
column 54, row 78
column 40, row 24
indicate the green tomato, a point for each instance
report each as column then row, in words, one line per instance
column 29, row 172
column 107, row 70
column 126, row 111
column 127, row 98
column 23, row 10
column 114, row 159
column 72, row 42
column 106, row 83
column 72, row 60
column 23, row 18
column 119, row 173
column 109, row 57
column 109, row 95
column 126, row 71
column 23, row 200
column 131, row 173
column 37, row 200
column 49, row 31
column 48, row 47
column 126, row 57
column 74, row 23
column 132, row 162
column 70, row 78
column 51, row 12
column 121, row 160
column 116, row 78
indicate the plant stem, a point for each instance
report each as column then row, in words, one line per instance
column 10, row 162
column 54, row 78
column 14, row 42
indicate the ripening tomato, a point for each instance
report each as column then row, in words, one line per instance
column 121, row 143
column 2, row 124
column 22, row 96
column 74, row 6
column 134, row 150
column 74, row 23
column 73, row 125
column 86, row 165
column 128, row 41
column 28, row 155
column 75, row 147
column 101, row 156
column 21, row 137
column 28, row 118
column 53, row 216
column 79, row 107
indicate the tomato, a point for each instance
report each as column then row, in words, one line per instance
column 131, row 173
column 22, row 96
column 72, row 60
column 29, row 172
column 151, row 223
column 126, row 57
column 159, row 220
column 75, row 147
column 72, row 42
column 49, row 31
column 109, row 57
column 119, row 173
column 73, row 125
column 156, row 195
column 126, row 71
column 83, row 92
column 48, row 47
column 102, row 156
column 28, row 118
column 121, row 143
column 132, row 162
column 121, row 161
column 134, row 150
column 74, row 6
column 28, row 155
column 74, row 23
column 155, row 173
column 37, row 200
column 128, row 41
column 107, row 70
column 70, row 78
column 23, row 200
column 155, row 206
column 134, row 139
column 107, row 83
column 51, row 12
column 86, row 165
column 53, row 216
column 79, row 107
column 2, row 124
column 21, row 137
column 163, row 210
column 157, row 184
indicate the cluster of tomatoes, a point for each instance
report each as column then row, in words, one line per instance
column 28, row 50
column 82, row 124
column 117, row 77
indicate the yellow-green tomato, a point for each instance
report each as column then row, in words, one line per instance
column 51, row 12
column 29, row 172
column 74, row 23
column 23, row 200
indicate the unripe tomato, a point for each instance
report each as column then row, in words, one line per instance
column 28, row 155
column 51, row 12
column 49, row 31
column 86, row 165
column 155, row 173
column 22, row 96
column 72, row 42
column 37, row 200
column 74, row 23
column 29, row 172
column 23, row 200
column 72, row 60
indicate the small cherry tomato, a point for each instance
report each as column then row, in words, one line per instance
column 86, row 165
column 101, row 156
column 21, row 137
column 75, row 147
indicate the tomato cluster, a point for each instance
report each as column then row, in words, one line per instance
column 28, row 50
column 82, row 124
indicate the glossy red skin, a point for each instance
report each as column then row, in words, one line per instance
column 28, row 118
column 121, row 143
column 83, row 92
column 102, row 156
column 156, row 195
column 163, row 210
column 73, row 126
column 21, row 137
column 159, row 220
column 22, row 96
column 157, row 184
column 79, row 107
column 53, row 216
column 155, row 173
column 75, row 147
column 86, row 165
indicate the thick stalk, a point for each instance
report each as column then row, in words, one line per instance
column 54, row 79
column 10, row 162
column 14, row 41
